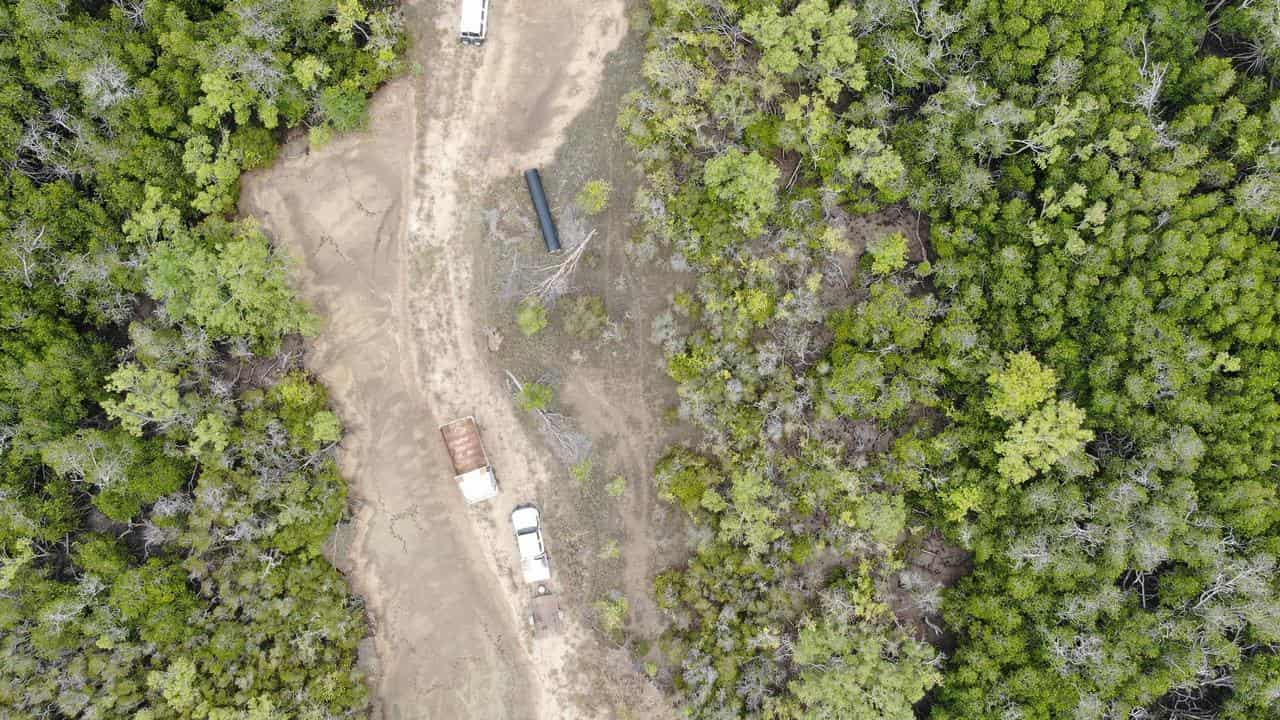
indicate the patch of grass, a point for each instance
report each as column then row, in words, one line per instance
column 534, row 396
column 611, row 615
column 584, row 316
column 531, row 316
column 641, row 647
column 611, row 550
column 583, row 469
column 594, row 197
column 617, row 486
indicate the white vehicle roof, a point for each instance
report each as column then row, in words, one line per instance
column 530, row 544
column 473, row 17
column 525, row 517
column 534, row 564
column 478, row 485
column 536, row 570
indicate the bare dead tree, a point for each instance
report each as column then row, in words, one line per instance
column 154, row 535
column 1239, row 576
column 134, row 11
column 106, row 84
column 288, row 359
column 28, row 244
column 270, row 559
column 556, row 283
column 258, row 68
column 8, row 432
column 1153, row 76
column 260, row 20
column 50, row 148
column 44, row 18
column 173, row 505
column 569, row 444
column 91, row 460
column 1151, row 83
column 1063, row 74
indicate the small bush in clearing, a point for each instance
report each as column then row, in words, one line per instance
column 582, row 470
column 594, row 197
column 610, row 551
column 532, row 316
column 585, row 316
column 534, row 396
column 611, row 615
column 617, row 487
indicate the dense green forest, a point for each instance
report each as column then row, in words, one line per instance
column 1071, row 370
column 1067, row 361
column 167, row 475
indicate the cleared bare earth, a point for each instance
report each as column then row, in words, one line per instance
column 387, row 229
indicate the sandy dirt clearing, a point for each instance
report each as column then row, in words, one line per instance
column 378, row 222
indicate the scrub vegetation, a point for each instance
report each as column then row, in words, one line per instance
column 594, row 198
column 167, row 474
column 1070, row 369
column 1064, row 360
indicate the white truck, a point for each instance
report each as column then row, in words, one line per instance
column 475, row 21
column 534, row 563
column 471, row 469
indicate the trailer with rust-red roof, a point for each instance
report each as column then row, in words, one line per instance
column 471, row 467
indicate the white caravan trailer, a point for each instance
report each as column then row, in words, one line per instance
column 475, row 21
column 471, row 469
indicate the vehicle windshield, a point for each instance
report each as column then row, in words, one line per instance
column 530, row 544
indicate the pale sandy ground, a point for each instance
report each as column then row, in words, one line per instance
column 377, row 224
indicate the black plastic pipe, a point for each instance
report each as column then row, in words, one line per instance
column 549, row 234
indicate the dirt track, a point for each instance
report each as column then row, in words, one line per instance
column 378, row 223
